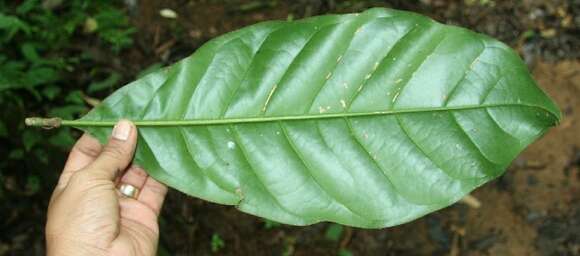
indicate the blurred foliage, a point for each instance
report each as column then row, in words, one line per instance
column 344, row 252
column 43, row 57
column 270, row 224
column 217, row 243
column 333, row 232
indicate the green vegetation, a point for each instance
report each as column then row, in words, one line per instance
column 270, row 224
column 333, row 232
column 217, row 243
column 43, row 71
column 344, row 252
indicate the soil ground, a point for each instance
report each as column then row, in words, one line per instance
column 534, row 209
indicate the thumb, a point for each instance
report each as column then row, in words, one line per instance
column 118, row 152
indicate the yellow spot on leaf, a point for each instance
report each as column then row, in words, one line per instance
column 395, row 97
column 269, row 96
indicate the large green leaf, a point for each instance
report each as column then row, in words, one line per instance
column 368, row 120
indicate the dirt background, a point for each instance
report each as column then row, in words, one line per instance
column 534, row 209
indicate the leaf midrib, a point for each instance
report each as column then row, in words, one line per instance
column 263, row 119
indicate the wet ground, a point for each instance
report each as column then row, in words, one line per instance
column 534, row 209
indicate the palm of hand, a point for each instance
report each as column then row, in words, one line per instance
column 87, row 213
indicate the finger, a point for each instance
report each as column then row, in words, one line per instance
column 153, row 195
column 85, row 151
column 135, row 177
column 117, row 154
column 139, row 214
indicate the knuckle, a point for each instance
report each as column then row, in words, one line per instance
column 86, row 180
column 116, row 152
column 81, row 177
column 86, row 150
column 139, row 171
column 158, row 188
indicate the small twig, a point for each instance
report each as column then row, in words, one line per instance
column 455, row 251
column 471, row 201
column 156, row 36
column 347, row 237
column 47, row 123
column 165, row 46
column 93, row 102
column 458, row 233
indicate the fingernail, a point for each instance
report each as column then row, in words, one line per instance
column 122, row 130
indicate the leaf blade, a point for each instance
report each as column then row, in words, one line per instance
column 261, row 118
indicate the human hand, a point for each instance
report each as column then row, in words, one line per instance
column 87, row 215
